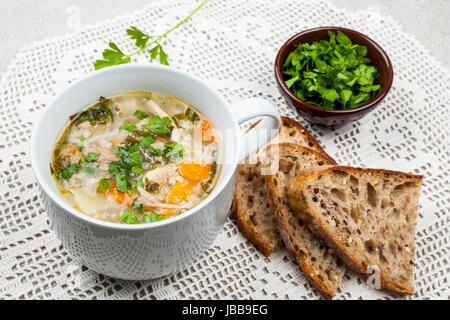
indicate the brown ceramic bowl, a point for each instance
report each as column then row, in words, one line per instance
column 314, row 114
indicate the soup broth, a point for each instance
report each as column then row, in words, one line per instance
column 136, row 157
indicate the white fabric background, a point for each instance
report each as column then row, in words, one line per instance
column 408, row 131
column 24, row 21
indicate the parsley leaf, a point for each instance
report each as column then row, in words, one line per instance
column 138, row 207
column 158, row 126
column 140, row 37
column 111, row 57
column 121, row 182
column 128, row 217
column 98, row 114
column 142, row 133
column 130, row 162
column 89, row 170
column 146, row 141
column 140, row 114
column 104, row 184
column 130, row 155
column 191, row 115
column 156, row 152
column 92, row 157
column 128, row 126
column 163, row 56
column 152, row 217
column 343, row 39
column 291, row 81
column 158, row 51
column 69, row 172
column 173, row 151
column 117, row 167
column 137, row 169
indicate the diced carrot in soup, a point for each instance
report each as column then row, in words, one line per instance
column 179, row 192
column 167, row 213
column 119, row 196
column 207, row 131
column 116, row 141
column 195, row 172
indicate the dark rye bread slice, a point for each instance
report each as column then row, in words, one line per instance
column 367, row 215
column 318, row 262
column 255, row 216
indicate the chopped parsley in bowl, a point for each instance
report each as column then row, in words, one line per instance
column 334, row 74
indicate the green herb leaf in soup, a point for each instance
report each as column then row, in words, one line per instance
column 173, row 151
column 128, row 217
column 151, row 217
column 121, row 182
column 92, row 157
column 159, row 126
column 146, row 141
column 98, row 114
column 128, row 127
column 139, row 207
column 140, row 114
column 69, row 172
column 154, row 151
column 89, row 170
column 104, row 184
column 191, row 115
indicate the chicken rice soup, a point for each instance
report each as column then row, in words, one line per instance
column 136, row 157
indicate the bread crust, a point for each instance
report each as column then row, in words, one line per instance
column 301, row 207
column 312, row 141
column 251, row 234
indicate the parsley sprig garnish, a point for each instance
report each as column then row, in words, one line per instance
column 114, row 56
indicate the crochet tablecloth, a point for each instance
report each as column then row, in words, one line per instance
column 231, row 44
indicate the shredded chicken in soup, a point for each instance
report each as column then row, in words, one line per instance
column 136, row 157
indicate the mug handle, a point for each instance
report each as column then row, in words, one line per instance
column 265, row 129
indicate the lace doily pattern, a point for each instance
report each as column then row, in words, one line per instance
column 232, row 44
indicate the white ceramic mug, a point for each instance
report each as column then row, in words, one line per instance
column 151, row 250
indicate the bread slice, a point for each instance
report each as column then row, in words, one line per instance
column 319, row 264
column 255, row 216
column 293, row 132
column 367, row 215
